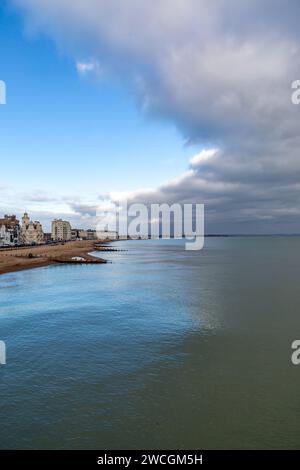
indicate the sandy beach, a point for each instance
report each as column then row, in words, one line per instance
column 18, row 259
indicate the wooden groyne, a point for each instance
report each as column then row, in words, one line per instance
column 107, row 248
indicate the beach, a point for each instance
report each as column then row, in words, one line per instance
column 18, row 259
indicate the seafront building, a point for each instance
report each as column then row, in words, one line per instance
column 61, row 230
column 108, row 235
column 10, row 231
column 81, row 234
column 75, row 234
column 47, row 237
column 31, row 232
column 88, row 234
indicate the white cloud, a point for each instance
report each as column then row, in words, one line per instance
column 92, row 66
column 204, row 156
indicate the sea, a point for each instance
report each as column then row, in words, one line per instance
column 160, row 348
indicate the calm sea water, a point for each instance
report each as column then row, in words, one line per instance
column 162, row 348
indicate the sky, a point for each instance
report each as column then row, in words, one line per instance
column 162, row 101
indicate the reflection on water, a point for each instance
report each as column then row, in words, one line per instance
column 162, row 348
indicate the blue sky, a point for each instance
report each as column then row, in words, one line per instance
column 188, row 98
column 68, row 134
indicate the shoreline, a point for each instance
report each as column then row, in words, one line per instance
column 72, row 252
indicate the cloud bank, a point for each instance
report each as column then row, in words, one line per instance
column 222, row 72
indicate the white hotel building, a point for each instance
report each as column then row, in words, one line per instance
column 61, row 230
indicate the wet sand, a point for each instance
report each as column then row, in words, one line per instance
column 18, row 259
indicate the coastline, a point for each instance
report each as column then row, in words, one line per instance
column 19, row 259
